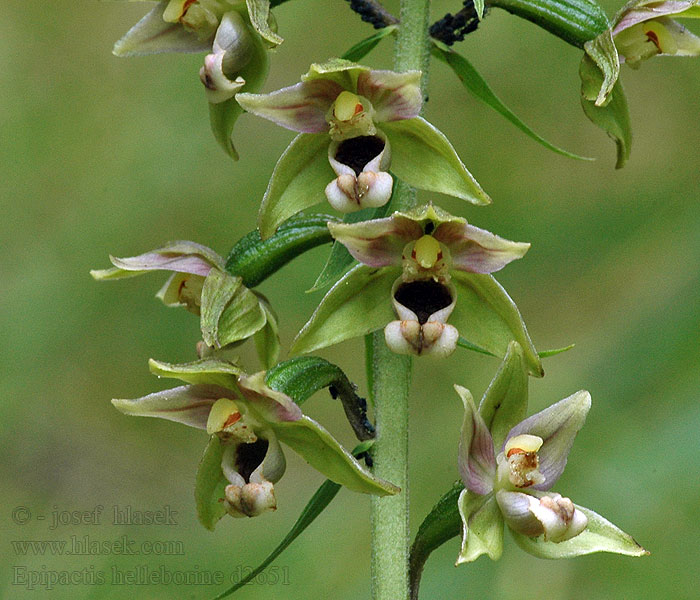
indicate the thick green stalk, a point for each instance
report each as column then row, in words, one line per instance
column 390, row 374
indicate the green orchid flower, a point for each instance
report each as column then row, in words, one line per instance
column 229, row 312
column 426, row 266
column 355, row 124
column 247, row 420
column 237, row 35
column 508, row 475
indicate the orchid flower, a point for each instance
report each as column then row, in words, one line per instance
column 236, row 33
column 509, row 479
column 246, row 420
column 641, row 30
column 429, row 266
column 229, row 312
column 361, row 122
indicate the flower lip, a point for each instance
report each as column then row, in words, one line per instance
column 424, row 298
column 356, row 152
column 250, row 456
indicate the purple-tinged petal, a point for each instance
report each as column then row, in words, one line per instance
column 274, row 406
column 475, row 250
column 377, row 243
column 515, row 507
column 301, row 107
column 557, row 426
column 188, row 404
column 476, row 460
column 642, row 12
column 394, row 96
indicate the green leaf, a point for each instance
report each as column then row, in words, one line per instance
column 209, row 485
column 223, row 115
column 479, row 8
column 555, row 351
column 363, row 48
column 254, row 259
column 259, row 13
column 230, row 311
column 318, row 448
column 476, row 84
column 464, row 343
column 339, row 259
column 358, row 304
column 486, row 315
column 318, row 503
column 298, row 181
column 504, row 403
column 600, row 535
column 303, row 376
column 440, row 525
column 423, row 157
column 613, row 118
column 267, row 339
column 574, row 21
column 482, row 527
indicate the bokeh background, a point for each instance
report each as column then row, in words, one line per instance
column 103, row 155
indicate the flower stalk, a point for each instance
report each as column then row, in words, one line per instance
column 390, row 373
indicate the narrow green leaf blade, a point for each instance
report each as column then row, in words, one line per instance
column 318, row 503
column 487, row 316
column 574, row 21
column 440, row 525
column 423, row 157
column 477, row 85
column 298, row 181
column 555, row 351
column 613, row 117
column 209, row 484
column 358, row 304
column 364, row 47
column 254, row 259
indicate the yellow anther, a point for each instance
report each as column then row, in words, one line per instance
column 224, row 413
column 658, row 35
column 427, row 251
column 346, row 106
column 523, row 443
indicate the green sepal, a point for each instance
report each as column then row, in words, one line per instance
column 302, row 376
column 364, row 47
column 477, row 85
column 487, row 316
column 267, row 339
column 482, row 527
column 613, row 118
column 230, row 311
column 359, row 303
column 203, row 371
column 339, row 259
column 260, row 16
column 504, row 403
column 600, row 535
column 424, row 158
column 603, row 52
column 210, row 484
column 223, row 115
column 315, row 506
column 254, row 259
column 466, row 344
column 574, row 21
column 440, row 525
column 320, row 449
column 298, row 181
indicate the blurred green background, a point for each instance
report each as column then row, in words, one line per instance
column 103, row 155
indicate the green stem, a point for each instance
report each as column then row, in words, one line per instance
column 390, row 374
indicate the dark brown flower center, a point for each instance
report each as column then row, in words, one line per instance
column 249, row 457
column 423, row 297
column 358, row 151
